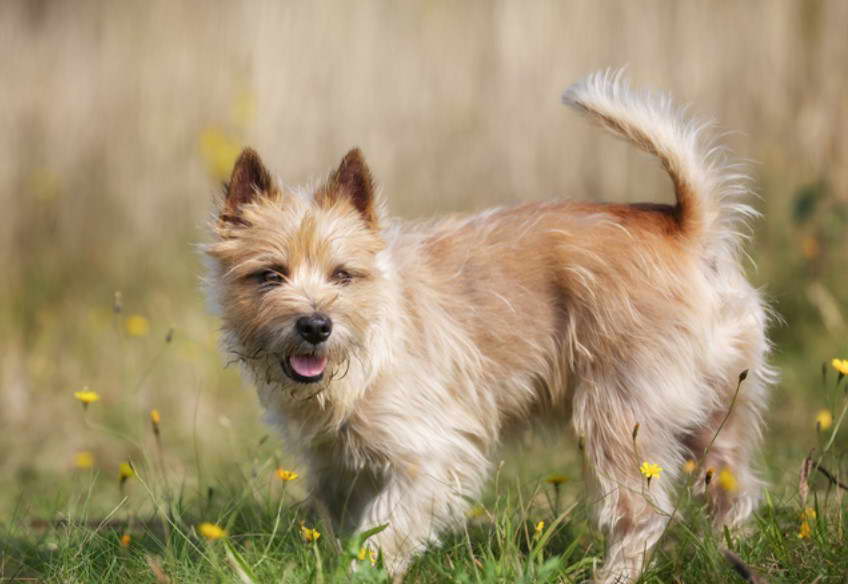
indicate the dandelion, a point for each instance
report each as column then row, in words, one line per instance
column 727, row 480
column 689, row 466
column 220, row 152
column 211, row 531
column 805, row 531
column 286, row 475
column 808, row 514
column 125, row 540
column 475, row 512
column 137, row 325
column 540, row 527
column 370, row 555
column 840, row 365
column 556, row 479
column 810, row 247
column 125, row 471
column 87, row 397
column 308, row 534
column 824, row 419
column 155, row 418
column 650, row 470
column 84, row 459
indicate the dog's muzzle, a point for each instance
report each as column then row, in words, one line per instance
column 308, row 366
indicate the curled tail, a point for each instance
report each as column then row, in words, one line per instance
column 709, row 190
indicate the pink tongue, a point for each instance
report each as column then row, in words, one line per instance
column 308, row 366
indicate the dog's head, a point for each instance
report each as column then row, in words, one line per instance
column 297, row 275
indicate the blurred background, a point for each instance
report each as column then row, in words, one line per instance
column 121, row 120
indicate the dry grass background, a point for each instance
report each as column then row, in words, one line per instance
column 119, row 120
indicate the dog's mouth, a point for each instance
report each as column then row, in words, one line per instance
column 305, row 368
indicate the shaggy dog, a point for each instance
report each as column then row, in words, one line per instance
column 395, row 356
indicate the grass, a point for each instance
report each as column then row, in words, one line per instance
column 141, row 524
column 265, row 543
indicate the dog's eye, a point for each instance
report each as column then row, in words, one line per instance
column 342, row 276
column 271, row 277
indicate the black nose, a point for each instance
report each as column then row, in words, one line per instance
column 315, row 328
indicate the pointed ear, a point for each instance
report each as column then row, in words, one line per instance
column 250, row 178
column 352, row 181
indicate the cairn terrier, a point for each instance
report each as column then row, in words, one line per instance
column 395, row 356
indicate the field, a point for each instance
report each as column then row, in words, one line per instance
column 121, row 121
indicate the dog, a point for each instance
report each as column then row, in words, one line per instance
column 394, row 357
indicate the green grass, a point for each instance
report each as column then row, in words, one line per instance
column 265, row 545
column 70, row 529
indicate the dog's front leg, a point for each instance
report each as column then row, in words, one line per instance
column 417, row 503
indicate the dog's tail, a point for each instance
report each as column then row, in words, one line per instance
column 709, row 190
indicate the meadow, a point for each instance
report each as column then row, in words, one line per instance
column 121, row 121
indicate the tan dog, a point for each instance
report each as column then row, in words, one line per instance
column 394, row 356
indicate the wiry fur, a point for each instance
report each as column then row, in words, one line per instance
column 453, row 332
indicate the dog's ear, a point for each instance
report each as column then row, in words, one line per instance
column 351, row 181
column 250, row 179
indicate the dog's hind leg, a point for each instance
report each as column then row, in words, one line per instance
column 728, row 440
column 726, row 446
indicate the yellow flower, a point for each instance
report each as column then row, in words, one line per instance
column 137, row 325
column 556, row 479
column 650, row 470
column 841, row 365
column 805, row 530
column 220, row 152
column 808, row 514
column 286, row 475
column 125, row 471
column 810, row 247
column 475, row 511
column 364, row 553
column 84, row 459
column 824, row 419
column 211, row 531
column 689, row 466
column 309, row 535
column 86, row 396
column 540, row 527
column 155, row 418
column 125, row 540
column 727, row 480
